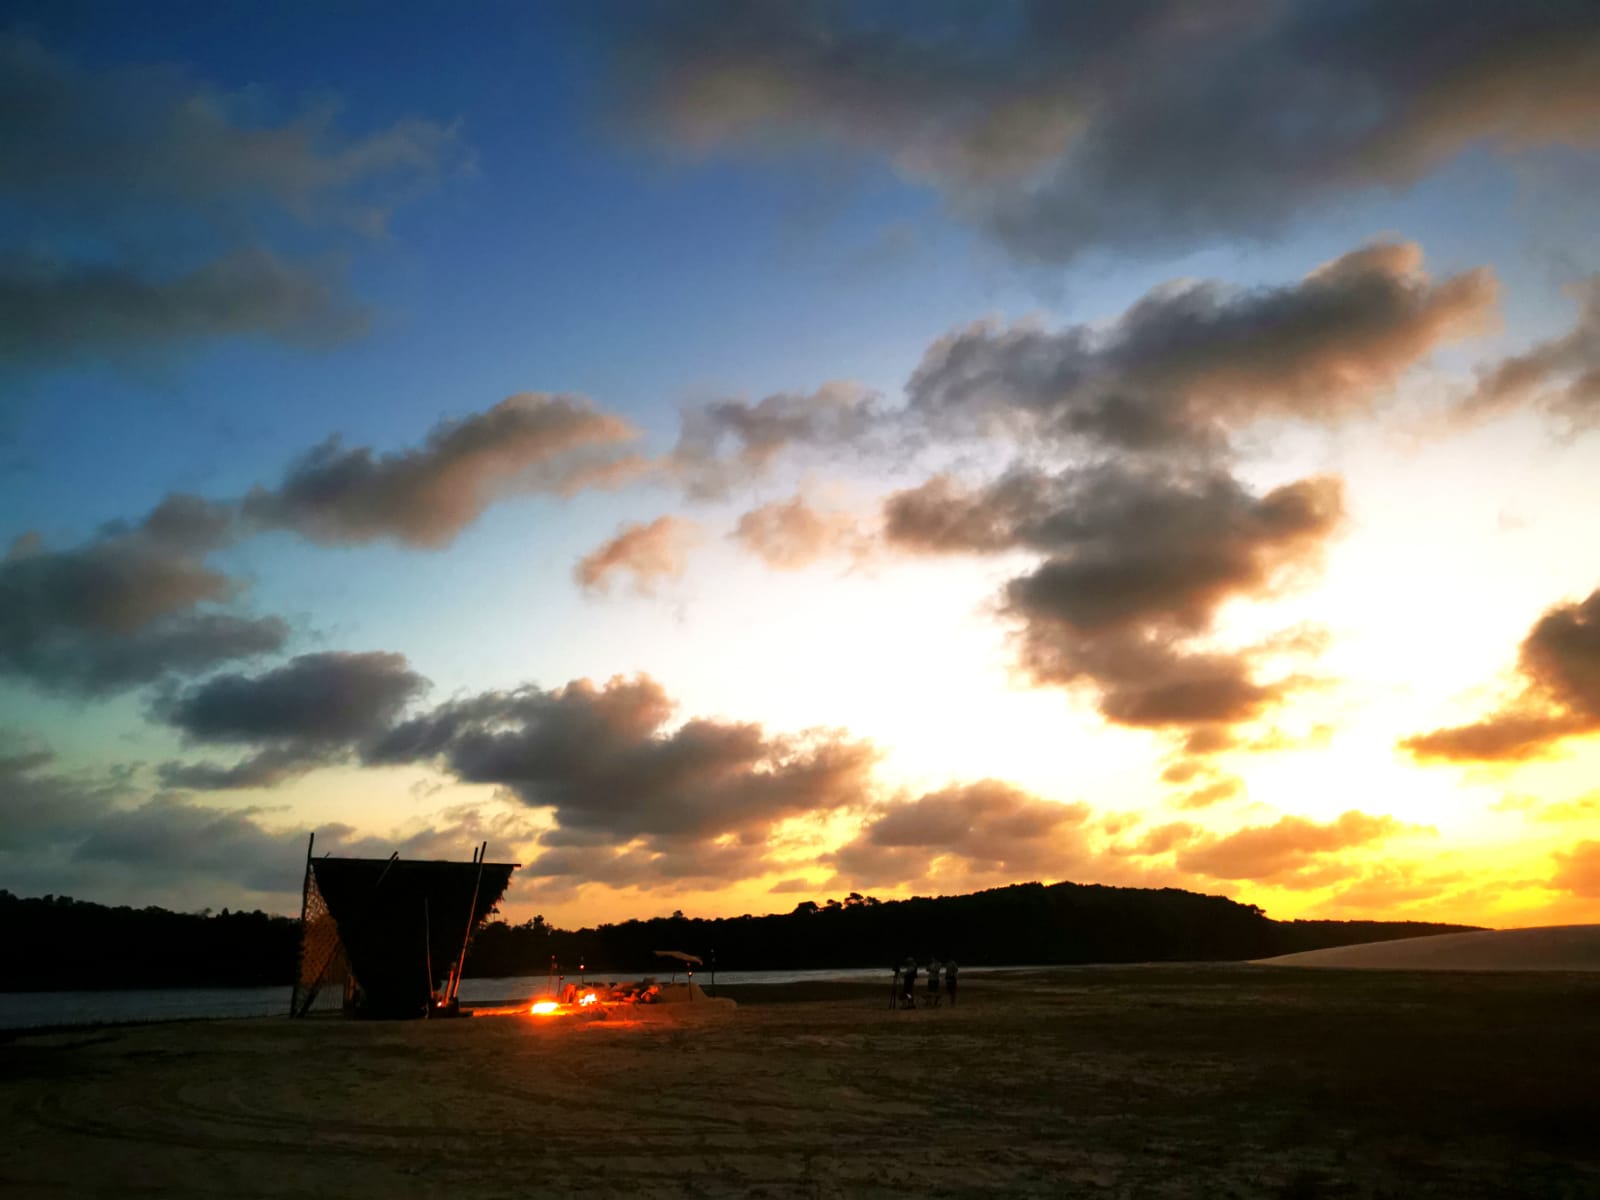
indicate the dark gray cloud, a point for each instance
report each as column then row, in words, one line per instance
column 649, row 553
column 730, row 442
column 313, row 710
column 1559, row 671
column 263, row 769
column 665, row 863
column 1150, row 126
column 34, row 803
column 1560, row 377
column 1190, row 363
column 1138, row 562
column 532, row 442
column 77, row 831
column 53, row 312
column 102, row 836
column 179, row 190
column 132, row 606
column 978, row 831
column 633, row 800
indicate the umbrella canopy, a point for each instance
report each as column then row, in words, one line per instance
column 680, row 956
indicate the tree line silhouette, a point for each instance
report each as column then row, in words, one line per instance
column 55, row 942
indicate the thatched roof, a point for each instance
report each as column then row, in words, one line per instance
column 402, row 922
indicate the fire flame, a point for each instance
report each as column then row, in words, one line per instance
column 588, row 999
column 543, row 1007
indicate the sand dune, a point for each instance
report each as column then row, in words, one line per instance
column 1549, row 948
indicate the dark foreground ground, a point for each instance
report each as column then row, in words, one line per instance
column 1158, row 1081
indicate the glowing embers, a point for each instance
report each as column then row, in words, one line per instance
column 589, row 998
column 544, row 1008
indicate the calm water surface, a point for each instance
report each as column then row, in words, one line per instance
column 26, row 1010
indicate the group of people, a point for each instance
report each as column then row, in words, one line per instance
column 903, row 994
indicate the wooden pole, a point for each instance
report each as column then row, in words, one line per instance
column 427, row 950
column 305, row 900
column 472, row 913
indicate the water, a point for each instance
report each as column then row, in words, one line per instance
column 32, row 1010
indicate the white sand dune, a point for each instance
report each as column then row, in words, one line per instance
column 1547, row 948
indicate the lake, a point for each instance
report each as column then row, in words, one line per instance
column 29, row 1010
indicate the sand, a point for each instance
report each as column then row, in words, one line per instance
column 1549, row 948
column 1205, row 1081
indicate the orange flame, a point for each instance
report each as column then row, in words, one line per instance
column 544, row 1007
column 588, row 999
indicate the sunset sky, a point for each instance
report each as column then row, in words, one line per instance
column 726, row 454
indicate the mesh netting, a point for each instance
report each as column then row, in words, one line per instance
column 321, row 956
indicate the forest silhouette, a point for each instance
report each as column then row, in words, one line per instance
column 55, row 942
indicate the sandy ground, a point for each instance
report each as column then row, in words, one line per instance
column 1206, row 1081
column 1549, row 948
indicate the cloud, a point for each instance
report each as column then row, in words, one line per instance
column 72, row 830
column 982, row 830
column 1284, row 851
column 789, row 535
column 425, row 497
column 1183, row 770
column 1132, row 544
column 1152, row 126
column 1560, row 377
column 141, row 205
column 1139, row 559
column 790, row 886
column 1578, row 870
column 1559, row 666
column 130, row 607
column 35, row 804
column 101, row 835
column 1580, row 808
column 632, row 798
column 729, row 442
column 940, row 516
column 312, row 710
column 53, row 312
column 1211, row 793
column 1163, row 839
column 649, row 553
column 1191, row 362
column 1391, row 886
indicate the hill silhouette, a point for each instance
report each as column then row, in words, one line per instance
column 55, row 942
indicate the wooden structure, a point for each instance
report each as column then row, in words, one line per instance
column 393, row 931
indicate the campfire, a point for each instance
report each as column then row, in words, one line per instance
column 594, row 1000
column 545, row 1008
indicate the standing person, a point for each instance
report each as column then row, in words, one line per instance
column 933, row 983
column 895, row 988
column 950, row 970
column 910, row 976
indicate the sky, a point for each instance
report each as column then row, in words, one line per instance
column 724, row 455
